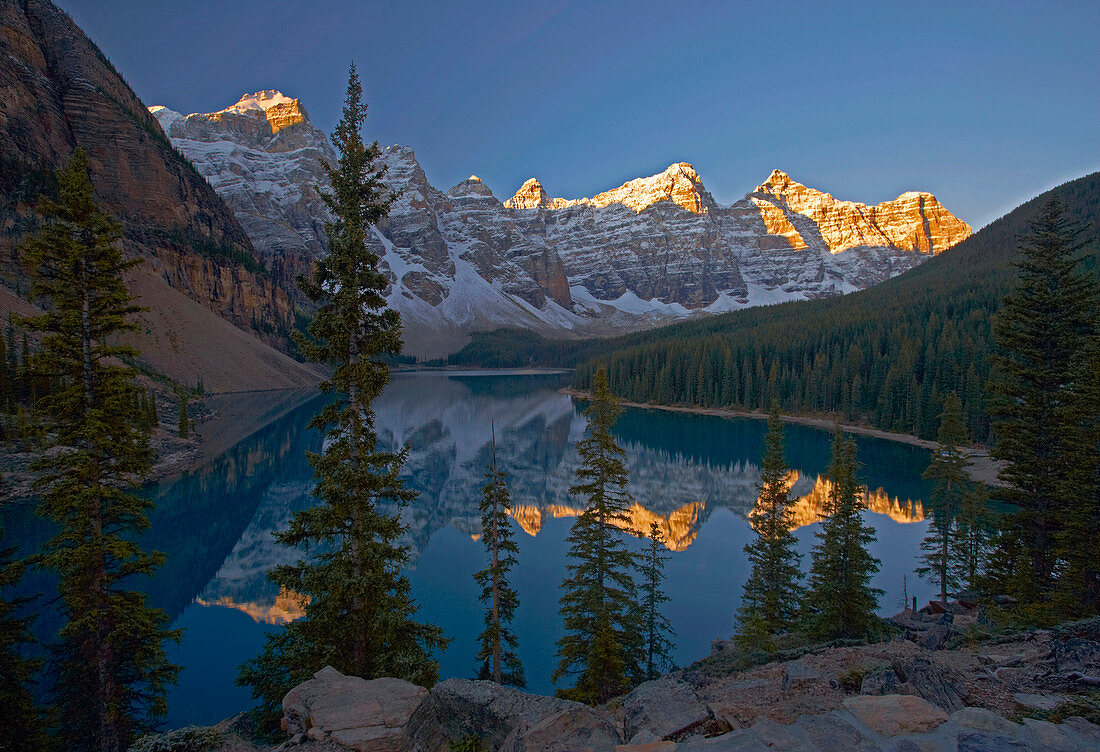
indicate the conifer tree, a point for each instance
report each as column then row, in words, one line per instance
column 947, row 471
column 601, row 646
column 972, row 535
column 1078, row 589
column 840, row 602
column 360, row 615
column 110, row 665
column 1040, row 333
column 772, row 594
column 656, row 628
column 497, row 655
column 21, row 714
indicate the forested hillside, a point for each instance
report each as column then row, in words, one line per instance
column 887, row 355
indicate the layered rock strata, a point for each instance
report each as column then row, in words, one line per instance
column 265, row 158
column 61, row 92
column 650, row 251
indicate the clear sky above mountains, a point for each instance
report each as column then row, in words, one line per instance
column 983, row 104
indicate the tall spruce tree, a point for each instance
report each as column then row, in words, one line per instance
column 359, row 617
column 18, row 670
column 772, row 594
column 840, row 602
column 110, row 665
column 656, row 628
column 1078, row 588
column 602, row 645
column 972, row 536
column 1041, row 333
column 947, row 471
column 497, row 655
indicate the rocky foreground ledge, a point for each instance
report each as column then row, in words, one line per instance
column 337, row 712
column 906, row 695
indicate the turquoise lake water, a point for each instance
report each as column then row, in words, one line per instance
column 696, row 475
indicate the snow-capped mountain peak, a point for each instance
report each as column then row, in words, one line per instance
column 914, row 221
column 471, row 186
column 276, row 108
column 530, row 195
column 653, row 250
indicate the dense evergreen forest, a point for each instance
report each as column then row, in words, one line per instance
column 887, row 356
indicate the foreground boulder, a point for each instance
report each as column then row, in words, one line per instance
column 921, row 676
column 460, row 709
column 666, row 707
column 360, row 714
column 893, row 723
column 576, row 729
column 890, row 715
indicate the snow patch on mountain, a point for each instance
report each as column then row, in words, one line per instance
column 652, row 251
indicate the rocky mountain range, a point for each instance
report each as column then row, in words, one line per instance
column 653, row 250
column 209, row 301
column 264, row 157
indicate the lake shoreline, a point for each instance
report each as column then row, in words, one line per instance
column 980, row 467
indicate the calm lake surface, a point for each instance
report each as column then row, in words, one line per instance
column 696, row 475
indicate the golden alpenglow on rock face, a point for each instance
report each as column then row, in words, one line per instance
column 652, row 250
column 914, row 221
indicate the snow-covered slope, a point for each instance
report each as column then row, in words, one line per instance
column 651, row 251
column 264, row 158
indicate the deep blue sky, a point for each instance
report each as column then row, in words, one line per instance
column 983, row 104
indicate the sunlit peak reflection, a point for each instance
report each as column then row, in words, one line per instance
column 810, row 508
column 678, row 529
column 288, row 606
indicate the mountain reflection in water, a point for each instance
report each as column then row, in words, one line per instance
column 447, row 422
column 695, row 475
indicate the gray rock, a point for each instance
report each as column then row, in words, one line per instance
column 881, row 680
column 921, row 676
column 776, row 736
column 1038, row 702
column 458, row 708
column 907, row 745
column 937, row 636
column 798, row 672
column 1085, row 733
column 1077, row 654
column 575, row 729
column 369, row 716
column 734, row 741
column 1046, row 736
column 666, row 706
column 744, row 684
column 829, row 731
column 977, row 741
column 894, row 715
column 980, row 719
column 645, row 736
column 657, row 746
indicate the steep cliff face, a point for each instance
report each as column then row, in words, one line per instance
column 651, row 251
column 913, row 221
column 60, row 92
column 264, row 157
